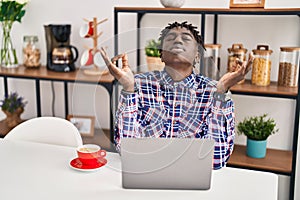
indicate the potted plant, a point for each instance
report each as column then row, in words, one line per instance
column 153, row 55
column 257, row 129
column 13, row 106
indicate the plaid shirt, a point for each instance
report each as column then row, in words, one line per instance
column 161, row 107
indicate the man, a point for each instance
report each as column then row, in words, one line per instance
column 177, row 102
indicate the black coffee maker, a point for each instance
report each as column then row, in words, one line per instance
column 60, row 54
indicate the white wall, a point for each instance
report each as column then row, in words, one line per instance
column 92, row 100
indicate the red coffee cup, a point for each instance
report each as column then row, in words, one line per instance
column 87, row 30
column 90, row 154
column 87, row 58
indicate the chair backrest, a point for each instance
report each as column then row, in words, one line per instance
column 49, row 130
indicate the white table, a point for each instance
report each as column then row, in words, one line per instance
column 39, row 171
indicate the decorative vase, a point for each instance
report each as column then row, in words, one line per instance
column 256, row 148
column 155, row 63
column 13, row 119
column 172, row 3
column 8, row 56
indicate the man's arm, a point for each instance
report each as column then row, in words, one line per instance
column 126, row 117
column 221, row 123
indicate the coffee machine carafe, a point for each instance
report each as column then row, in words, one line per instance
column 60, row 54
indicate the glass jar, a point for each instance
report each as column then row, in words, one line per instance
column 237, row 51
column 289, row 66
column 211, row 66
column 31, row 51
column 261, row 67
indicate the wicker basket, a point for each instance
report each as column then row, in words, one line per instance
column 155, row 63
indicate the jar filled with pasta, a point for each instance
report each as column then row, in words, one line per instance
column 261, row 68
column 31, row 51
column 236, row 52
column 289, row 66
column 211, row 67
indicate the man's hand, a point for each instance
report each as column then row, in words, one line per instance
column 124, row 75
column 231, row 78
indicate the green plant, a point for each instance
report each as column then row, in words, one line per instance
column 10, row 11
column 257, row 128
column 12, row 102
column 152, row 48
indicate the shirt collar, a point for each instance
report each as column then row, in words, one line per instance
column 187, row 82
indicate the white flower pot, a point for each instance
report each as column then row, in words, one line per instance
column 172, row 3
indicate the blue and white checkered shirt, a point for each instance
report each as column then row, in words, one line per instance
column 161, row 107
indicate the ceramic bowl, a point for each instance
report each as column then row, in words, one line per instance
column 172, row 3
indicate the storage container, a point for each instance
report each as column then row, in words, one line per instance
column 31, row 51
column 237, row 51
column 289, row 66
column 261, row 68
column 211, row 65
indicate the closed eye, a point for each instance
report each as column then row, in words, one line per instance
column 170, row 37
column 187, row 37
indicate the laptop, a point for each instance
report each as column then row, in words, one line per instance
column 167, row 163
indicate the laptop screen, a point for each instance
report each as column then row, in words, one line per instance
column 167, row 163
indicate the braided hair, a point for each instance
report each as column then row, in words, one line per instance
column 190, row 27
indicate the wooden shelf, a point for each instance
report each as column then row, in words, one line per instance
column 273, row 11
column 101, row 137
column 272, row 90
column 43, row 73
column 278, row 161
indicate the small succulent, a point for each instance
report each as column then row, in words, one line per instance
column 12, row 102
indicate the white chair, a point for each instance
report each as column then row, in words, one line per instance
column 49, row 130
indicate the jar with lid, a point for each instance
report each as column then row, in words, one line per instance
column 31, row 51
column 289, row 66
column 237, row 51
column 261, row 67
column 211, row 65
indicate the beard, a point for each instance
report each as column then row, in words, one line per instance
column 170, row 58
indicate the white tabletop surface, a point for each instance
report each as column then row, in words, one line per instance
column 39, row 171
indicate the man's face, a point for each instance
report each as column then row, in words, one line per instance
column 179, row 46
